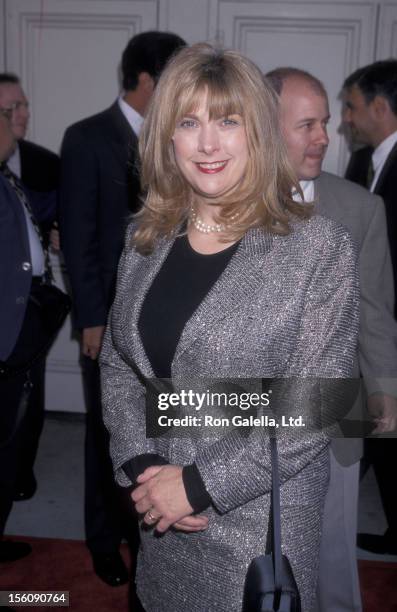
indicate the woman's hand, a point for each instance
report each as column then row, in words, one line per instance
column 191, row 524
column 92, row 341
column 383, row 409
column 161, row 497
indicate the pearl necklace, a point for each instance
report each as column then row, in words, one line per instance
column 206, row 228
column 202, row 227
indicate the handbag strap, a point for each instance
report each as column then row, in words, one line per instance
column 273, row 541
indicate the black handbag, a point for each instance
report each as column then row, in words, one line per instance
column 270, row 585
column 46, row 311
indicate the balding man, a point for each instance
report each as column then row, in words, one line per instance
column 304, row 118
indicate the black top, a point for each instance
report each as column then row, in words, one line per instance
column 182, row 283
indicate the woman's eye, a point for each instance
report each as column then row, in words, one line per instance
column 187, row 123
column 229, row 121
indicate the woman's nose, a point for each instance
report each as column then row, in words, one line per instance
column 209, row 139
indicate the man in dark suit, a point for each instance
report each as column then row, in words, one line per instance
column 38, row 169
column 99, row 192
column 370, row 111
column 304, row 117
column 22, row 270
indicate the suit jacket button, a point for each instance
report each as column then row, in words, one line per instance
column 20, row 300
column 26, row 266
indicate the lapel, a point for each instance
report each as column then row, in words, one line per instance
column 123, row 140
column 26, row 160
column 141, row 280
column 390, row 161
column 241, row 279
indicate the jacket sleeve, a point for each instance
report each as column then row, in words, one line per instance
column 78, row 208
column 123, row 393
column 237, row 468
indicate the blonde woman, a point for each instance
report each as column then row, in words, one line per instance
column 225, row 276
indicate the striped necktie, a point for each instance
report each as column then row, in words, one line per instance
column 17, row 187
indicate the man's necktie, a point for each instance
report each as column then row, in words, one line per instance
column 13, row 180
column 370, row 174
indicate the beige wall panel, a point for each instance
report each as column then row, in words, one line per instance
column 387, row 37
column 188, row 18
column 2, row 36
column 329, row 40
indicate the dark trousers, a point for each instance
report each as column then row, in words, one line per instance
column 13, row 396
column 108, row 508
column 33, row 422
column 382, row 454
column 20, row 425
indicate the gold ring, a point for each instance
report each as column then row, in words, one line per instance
column 152, row 519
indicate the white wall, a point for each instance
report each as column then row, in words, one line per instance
column 67, row 54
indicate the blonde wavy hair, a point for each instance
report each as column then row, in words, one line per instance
column 233, row 85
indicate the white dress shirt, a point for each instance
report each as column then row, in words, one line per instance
column 134, row 119
column 14, row 162
column 308, row 192
column 380, row 155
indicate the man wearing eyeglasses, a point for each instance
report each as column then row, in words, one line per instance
column 38, row 170
column 13, row 100
column 37, row 167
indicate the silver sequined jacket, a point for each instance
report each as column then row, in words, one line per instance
column 284, row 306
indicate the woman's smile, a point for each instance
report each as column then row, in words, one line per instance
column 211, row 167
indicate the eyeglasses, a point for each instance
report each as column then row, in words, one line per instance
column 6, row 112
column 15, row 106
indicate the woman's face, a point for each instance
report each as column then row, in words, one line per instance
column 211, row 155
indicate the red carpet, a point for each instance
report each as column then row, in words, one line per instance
column 378, row 586
column 66, row 565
